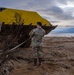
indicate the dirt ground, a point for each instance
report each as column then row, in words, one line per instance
column 58, row 56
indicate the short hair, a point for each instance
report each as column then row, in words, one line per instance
column 39, row 23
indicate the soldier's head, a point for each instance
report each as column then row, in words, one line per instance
column 39, row 24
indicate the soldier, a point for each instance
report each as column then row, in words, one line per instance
column 37, row 34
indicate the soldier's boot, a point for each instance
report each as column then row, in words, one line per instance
column 40, row 61
column 35, row 62
column 34, row 65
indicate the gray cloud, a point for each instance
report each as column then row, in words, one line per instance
column 58, row 13
column 55, row 21
column 55, row 9
column 52, row 11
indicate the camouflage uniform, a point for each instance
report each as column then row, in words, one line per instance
column 37, row 35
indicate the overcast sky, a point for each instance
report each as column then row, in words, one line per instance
column 58, row 12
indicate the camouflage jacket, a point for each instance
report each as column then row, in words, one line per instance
column 37, row 35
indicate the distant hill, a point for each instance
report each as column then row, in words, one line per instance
column 63, row 30
column 28, row 17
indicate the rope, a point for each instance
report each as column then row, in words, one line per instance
column 18, row 45
column 13, row 49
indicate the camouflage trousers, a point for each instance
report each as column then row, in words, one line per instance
column 38, row 52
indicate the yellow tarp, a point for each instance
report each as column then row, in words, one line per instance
column 27, row 17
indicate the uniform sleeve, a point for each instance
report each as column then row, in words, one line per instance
column 44, row 33
column 31, row 33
